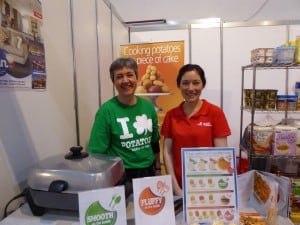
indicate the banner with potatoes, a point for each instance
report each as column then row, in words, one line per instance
column 159, row 63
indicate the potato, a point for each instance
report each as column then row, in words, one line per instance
column 145, row 76
column 147, row 83
column 152, row 77
column 140, row 89
column 158, row 83
column 165, row 89
column 154, row 89
column 153, row 68
column 152, row 73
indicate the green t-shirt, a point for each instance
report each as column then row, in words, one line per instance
column 126, row 131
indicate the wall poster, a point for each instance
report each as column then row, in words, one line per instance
column 159, row 63
column 22, row 55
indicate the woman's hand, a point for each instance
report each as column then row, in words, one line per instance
column 178, row 191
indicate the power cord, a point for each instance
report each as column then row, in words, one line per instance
column 257, row 11
column 22, row 194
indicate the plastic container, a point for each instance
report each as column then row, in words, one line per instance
column 272, row 215
column 297, row 92
column 297, row 51
column 295, row 217
column 281, row 102
column 284, row 54
column 291, row 102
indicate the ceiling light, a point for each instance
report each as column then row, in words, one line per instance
column 145, row 22
column 206, row 23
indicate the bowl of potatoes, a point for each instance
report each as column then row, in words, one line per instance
column 152, row 82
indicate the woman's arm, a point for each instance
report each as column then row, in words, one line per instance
column 156, row 150
column 157, row 164
column 100, row 133
column 168, row 160
column 220, row 142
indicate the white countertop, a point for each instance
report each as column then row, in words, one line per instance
column 23, row 216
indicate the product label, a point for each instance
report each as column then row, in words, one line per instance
column 102, row 206
column 153, row 200
column 97, row 215
column 285, row 143
column 261, row 140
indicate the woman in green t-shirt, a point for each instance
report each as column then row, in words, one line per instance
column 127, row 126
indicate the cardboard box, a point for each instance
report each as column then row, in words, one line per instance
column 262, row 55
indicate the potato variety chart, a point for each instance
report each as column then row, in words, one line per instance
column 209, row 185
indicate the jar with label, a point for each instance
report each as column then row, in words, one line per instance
column 281, row 102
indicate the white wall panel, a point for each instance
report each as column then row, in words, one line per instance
column 33, row 124
column 38, row 124
column 238, row 43
column 86, row 68
column 120, row 36
column 105, row 51
column 206, row 52
column 294, row 74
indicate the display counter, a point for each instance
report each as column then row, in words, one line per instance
column 24, row 216
column 248, row 204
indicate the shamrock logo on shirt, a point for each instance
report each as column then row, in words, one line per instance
column 142, row 124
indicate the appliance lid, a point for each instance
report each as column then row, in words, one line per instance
column 92, row 172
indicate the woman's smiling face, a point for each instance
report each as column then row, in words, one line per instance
column 191, row 86
column 125, row 81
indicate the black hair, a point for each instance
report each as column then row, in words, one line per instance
column 191, row 67
column 121, row 62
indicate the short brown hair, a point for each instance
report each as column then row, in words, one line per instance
column 121, row 62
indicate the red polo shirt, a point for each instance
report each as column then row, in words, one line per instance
column 198, row 131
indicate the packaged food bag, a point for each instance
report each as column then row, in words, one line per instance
column 265, row 187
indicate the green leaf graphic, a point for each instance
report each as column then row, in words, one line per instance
column 97, row 215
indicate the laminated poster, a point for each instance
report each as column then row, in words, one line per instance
column 153, row 201
column 22, row 52
column 209, row 185
column 103, row 206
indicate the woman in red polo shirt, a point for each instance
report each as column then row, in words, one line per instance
column 194, row 123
